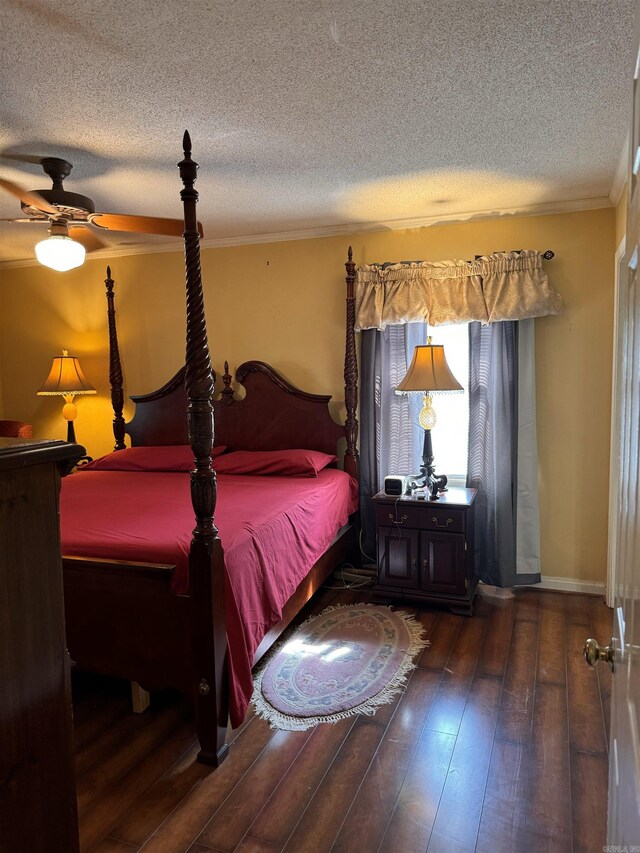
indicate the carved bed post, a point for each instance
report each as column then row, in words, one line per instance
column 206, row 557
column 115, row 368
column 351, row 459
column 226, row 395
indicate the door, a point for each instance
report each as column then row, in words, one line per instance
column 618, row 413
column 624, row 758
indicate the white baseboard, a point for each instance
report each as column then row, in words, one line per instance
column 570, row 585
column 547, row 582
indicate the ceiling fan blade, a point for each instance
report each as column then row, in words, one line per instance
column 25, row 219
column 91, row 241
column 141, row 224
column 31, row 198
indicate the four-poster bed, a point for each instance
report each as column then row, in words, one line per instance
column 162, row 622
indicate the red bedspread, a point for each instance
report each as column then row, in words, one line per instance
column 273, row 530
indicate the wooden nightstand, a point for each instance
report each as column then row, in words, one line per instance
column 425, row 549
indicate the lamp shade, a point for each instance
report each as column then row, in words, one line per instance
column 65, row 377
column 429, row 371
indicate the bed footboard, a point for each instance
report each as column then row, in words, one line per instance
column 123, row 620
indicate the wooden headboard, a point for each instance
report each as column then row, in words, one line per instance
column 273, row 414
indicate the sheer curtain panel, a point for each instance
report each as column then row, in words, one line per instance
column 390, row 436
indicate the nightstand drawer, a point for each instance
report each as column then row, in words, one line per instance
column 424, row 517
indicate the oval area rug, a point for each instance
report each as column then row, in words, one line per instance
column 350, row 659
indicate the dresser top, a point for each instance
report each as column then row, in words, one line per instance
column 18, row 452
column 451, row 498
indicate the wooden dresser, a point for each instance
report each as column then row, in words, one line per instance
column 38, row 811
column 425, row 549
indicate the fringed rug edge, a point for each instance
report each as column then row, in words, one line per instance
column 284, row 722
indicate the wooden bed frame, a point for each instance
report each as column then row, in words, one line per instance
column 122, row 618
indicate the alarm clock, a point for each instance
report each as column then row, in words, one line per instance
column 395, row 484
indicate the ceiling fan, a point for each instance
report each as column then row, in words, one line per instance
column 73, row 219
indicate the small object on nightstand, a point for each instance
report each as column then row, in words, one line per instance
column 425, row 550
column 84, row 460
column 395, row 484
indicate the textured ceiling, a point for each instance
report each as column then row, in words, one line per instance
column 309, row 114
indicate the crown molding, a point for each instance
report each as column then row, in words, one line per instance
column 620, row 175
column 545, row 209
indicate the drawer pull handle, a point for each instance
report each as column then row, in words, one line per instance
column 437, row 523
column 397, row 520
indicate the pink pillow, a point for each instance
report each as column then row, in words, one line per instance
column 292, row 463
column 158, row 458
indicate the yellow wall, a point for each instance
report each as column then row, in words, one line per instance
column 2, row 414
column 284, row 303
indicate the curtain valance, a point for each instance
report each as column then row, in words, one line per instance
column 502, row 286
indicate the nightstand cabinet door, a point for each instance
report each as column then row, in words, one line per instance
column 398, row 557
column 442, row 563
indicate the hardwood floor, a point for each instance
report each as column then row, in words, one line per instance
column 498, row 743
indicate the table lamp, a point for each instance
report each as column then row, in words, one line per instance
column 66, row 379
column 429, row 374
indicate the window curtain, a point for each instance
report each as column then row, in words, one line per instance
column 502, row 286
column 502, row 462
column 390, row 437
column 498, row 295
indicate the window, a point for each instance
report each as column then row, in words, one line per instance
column 398, row 438
column 450, row 436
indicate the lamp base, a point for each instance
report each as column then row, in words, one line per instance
column 427, row 478
column 71, row 433
column 434, row 484
column 69, row 413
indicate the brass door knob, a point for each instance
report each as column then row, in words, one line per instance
column 593, row 654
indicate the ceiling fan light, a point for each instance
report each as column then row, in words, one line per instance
column 60, row 253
